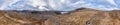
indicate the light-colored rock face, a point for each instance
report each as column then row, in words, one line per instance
column 91, row 17
column 77, row 17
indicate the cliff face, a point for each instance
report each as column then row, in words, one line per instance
column 81, row 16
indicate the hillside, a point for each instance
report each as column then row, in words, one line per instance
column 82, row 16
column 91, row 17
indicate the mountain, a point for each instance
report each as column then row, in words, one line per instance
column 81, row 16
column 91, row 17
column 59, row 5
column 27, row 18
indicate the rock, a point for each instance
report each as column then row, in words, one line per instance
column 91, row 17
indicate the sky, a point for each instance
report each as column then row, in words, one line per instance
column 59, row 5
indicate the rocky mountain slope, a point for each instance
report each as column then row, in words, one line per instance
column 82, row 16
column 27, row 18
column 91, row 17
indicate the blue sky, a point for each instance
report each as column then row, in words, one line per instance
column 64, row 5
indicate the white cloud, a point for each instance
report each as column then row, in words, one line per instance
column 112, row 2
column 7, row 3
column 60, row 4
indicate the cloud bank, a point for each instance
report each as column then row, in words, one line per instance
column 59, row 5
